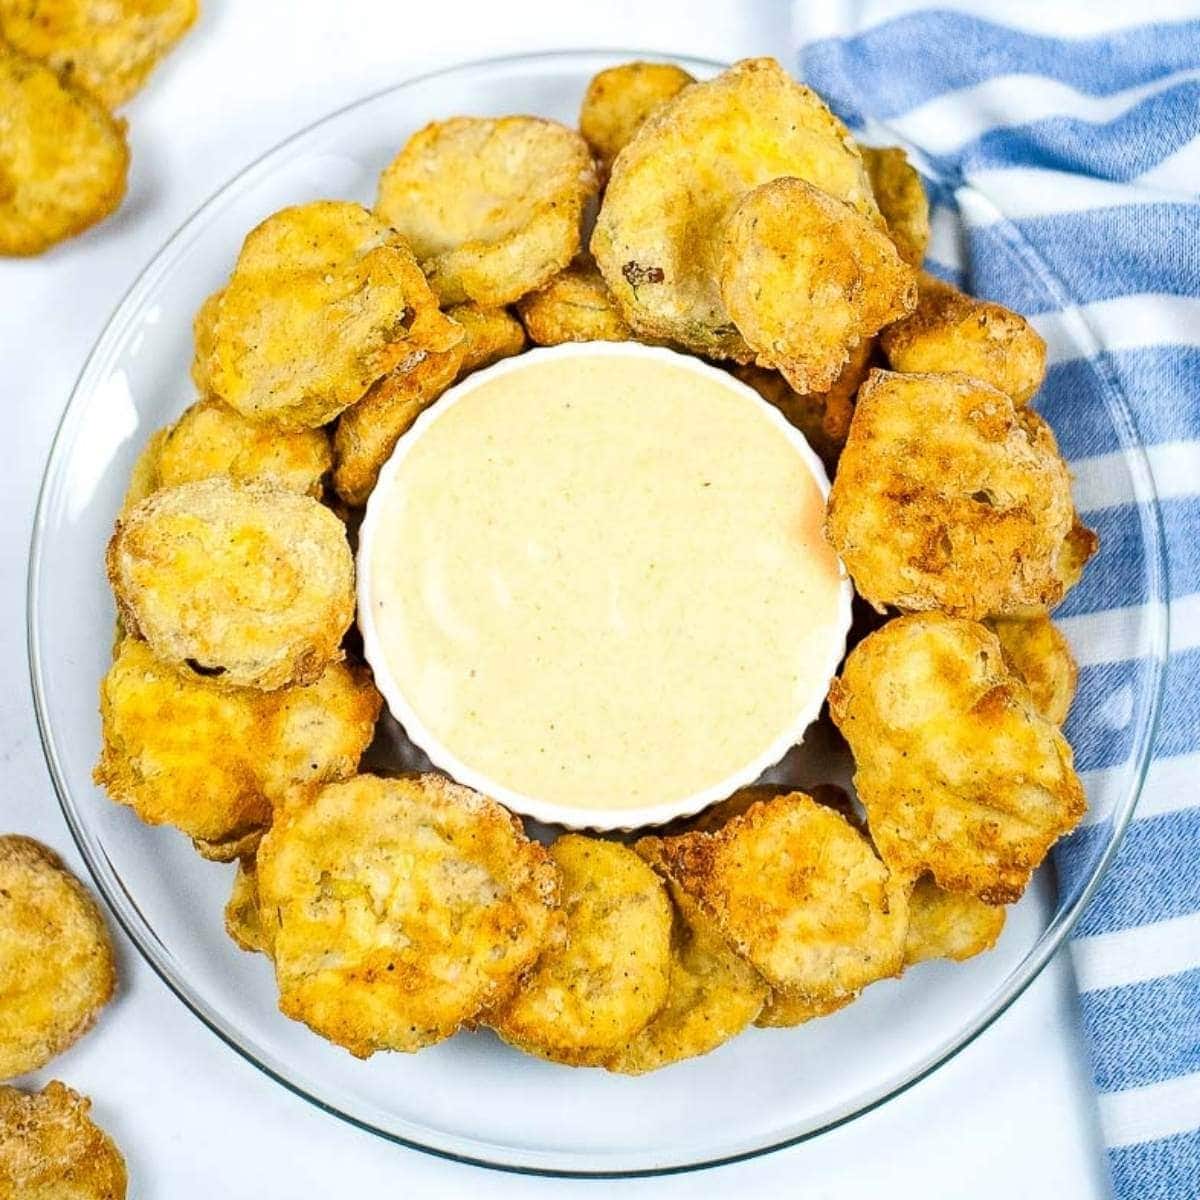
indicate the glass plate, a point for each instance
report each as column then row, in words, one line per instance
column 472, row 1098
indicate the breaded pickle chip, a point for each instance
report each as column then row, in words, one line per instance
column 575, row 306
column 143, row 479
column 806, row 279
column 823, row 417
column 211, row 439
column 901, row 198
column 658, row 235
column 211, row 760
column 489, row 334
column 56, row 959
column 798, row 891
column 1039, row 653
column 959, row 774
column 401, row 908
column 783, row 1011
column 944, row 924
column 63, row 157
column 950, row 331
column 948, row 496
column 324, row 300
column 233, row 846
column 243, row 916
column 619, row 99
column 491, row 205
column 367, row 433
column 108, row 47
column 712, row 993
column 204, row 325
column 50, row 1149
column 598, row 986
column 246, row 584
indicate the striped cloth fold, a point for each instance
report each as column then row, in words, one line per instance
column 1074, row 131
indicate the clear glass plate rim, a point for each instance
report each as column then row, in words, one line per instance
column 141, row 933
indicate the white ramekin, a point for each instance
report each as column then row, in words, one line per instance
column 534, row 806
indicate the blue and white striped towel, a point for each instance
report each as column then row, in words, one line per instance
column 1075, row 128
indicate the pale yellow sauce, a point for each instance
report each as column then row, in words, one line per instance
column 601, row 582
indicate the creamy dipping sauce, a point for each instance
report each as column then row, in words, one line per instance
column 600, row 581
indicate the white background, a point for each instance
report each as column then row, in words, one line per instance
column 1012, row 1115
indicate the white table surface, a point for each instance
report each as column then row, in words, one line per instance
column 1012, row 1115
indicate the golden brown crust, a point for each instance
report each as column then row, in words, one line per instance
column 63, row 157
column 324, row 300
column 246, row 584
column 50, row 1149
column 204, row 327
column 107, row 47
column 806, row 278
column 491, row 206
column 210, row 438
column 901, row 198
column 368, row 431
column 823, row 417
column 952, row 925
column 575, row 306
column 1038, row 652
column 948, row 496
column 798, row 891
column 959, row 774
column 489, row 334
column 599, row 984
column 214, row 761
column 657, row 239
column 950, row 331
column 400, row 908
column 619, row 99
column 782, row 1011
column 243, row 916
column 57, row 969
column 712, row 993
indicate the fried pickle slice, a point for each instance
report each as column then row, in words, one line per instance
column 658, row 238
column 712, row 993
column 401, row 908
column 243, row 916
column 231, row 848
column 575, row 306
column 63, row 157
column 489, row 334
column 950, row 331
column 901, row 198
column 619, row 99
column 143, row 479
column 784, row 1011
column 491, row 206
column 214, row 761
column 210, row 438
column 599, row 985
column 823, row 417
column 324, row 300
column 243, row 583
column 959, row 774
column 57, row 969
column 799, row 891
column 367, row 433
column 806, row 279
column 1040, row 654
column 50, row 1148
column 944, row 924
column 949, row 496
column 107, row 47
column 204, row 325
